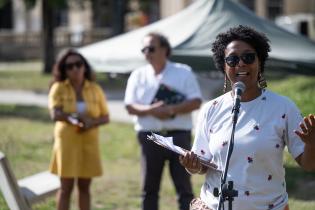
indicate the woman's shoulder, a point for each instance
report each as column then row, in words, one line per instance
column 277, row 100
column 218, row 99
column 58, row 85
column 93, row 85
column 207, row 107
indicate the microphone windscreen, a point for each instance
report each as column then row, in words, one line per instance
column 239, row 85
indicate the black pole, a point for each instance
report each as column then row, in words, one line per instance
column 226, row 192
column 119, row 16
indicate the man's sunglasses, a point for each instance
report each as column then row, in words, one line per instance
column 69, row 66
column 149, row 49
column 247, row 58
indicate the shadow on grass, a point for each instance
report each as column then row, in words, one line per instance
column 300, row 184
column 27, row 112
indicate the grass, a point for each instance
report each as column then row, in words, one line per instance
column 26, row 138
column 28, row 149
column 301, row 89
column 35, row 80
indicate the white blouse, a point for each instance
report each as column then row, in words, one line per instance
column 265, row 126
column 81, row 107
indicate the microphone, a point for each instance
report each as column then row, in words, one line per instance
column 238, row 88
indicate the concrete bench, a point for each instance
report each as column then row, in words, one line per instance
column 22, row 194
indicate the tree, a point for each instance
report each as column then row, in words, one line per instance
column 48, row 26
column 49, row 7
column 119, row 9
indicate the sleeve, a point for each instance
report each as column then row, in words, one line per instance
column 294, row 143
column 130, row 93
column 192, row 86
column 103, row 105
column 54, row 96
column 201, row 140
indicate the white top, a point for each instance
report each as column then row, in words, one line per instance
column 265, row 126
column 143, row 84
column 81, row 106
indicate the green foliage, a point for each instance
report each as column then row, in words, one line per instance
column 24, row 80
column 27, row 140
column 301, row 89
column 3, row 2
column 29, row 77
column 30, row 3
column 25, row 112
column 53, row 3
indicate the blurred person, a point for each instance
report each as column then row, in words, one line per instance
column 78, row 106
column 167, row 119
column 267, row 123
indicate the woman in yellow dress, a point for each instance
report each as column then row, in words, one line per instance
column 78, row 106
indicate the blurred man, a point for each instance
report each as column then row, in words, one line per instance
column 162, row 95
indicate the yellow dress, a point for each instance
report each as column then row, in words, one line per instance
column 76, row 154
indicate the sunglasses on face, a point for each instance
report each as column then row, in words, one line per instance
column 247, row 58
column 149, row 49
column 77, row 64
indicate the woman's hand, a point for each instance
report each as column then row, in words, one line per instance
column 307, row 159
column 86, row 122
column 160, row 110
column 307, row 134
column 192, row 163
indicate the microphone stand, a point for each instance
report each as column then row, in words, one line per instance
column 227, row 193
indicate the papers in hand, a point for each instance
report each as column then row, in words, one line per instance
column 167, row 142
column 73, row 120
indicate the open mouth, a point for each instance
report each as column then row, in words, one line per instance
column 242, row 74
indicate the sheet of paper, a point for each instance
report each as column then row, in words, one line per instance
column 167, row 142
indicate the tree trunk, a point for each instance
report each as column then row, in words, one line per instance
column 119, row 16
column 48, row 46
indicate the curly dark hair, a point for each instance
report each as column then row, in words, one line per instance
column 257, row 40
column 59, row 69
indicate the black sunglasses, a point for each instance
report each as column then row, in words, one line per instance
column 247, row 58
column 69, row 66
column 149, row 49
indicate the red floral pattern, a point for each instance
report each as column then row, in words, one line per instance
column 250, row 159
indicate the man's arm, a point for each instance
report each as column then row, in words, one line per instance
column 143, row 109
column 161, row 111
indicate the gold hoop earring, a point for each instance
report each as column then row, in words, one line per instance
column 225, row 84
column 262, row 83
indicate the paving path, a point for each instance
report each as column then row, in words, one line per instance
column 117, row 109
